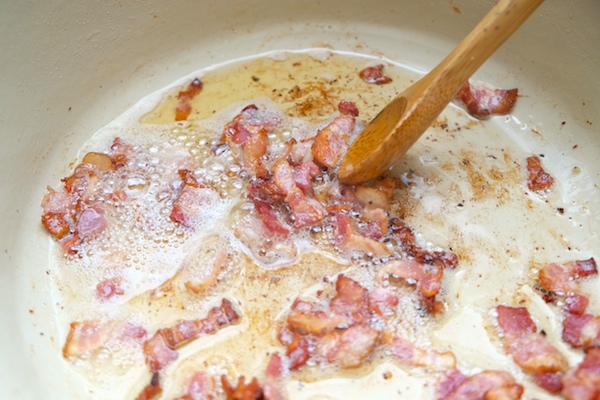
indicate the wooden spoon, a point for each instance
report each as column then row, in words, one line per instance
column 398, row 126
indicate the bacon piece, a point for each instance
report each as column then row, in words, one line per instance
column 515, row 321
column 268, row 216
column 538, row 178
column 426, row 279
column 90, row 335
column 382, row 301
column 576, row 303
column 583, row 382
column 192, row 200
column 349, row 348
column 184, row 98
column 160, row 350
column 152, row 390
column 108, row 288
column 100, row 161
column 306, row 210
column 201, row 386
column 303, row 319
column 331, row 142
column 304, row 174
column 91, row 221
column 486, row 385
column 273, row 374
column 376, row 196
column 120, row 152
column 350, row 301
column 441, row 259
column 530, row 350
column 581, row 331
column 481, row 101
column 564, row 278
column 55, row 224
column 374, row 75
column 197, row 287
column 410, row 354
column 348, row 108
column 243, row 391
column 297, row 348
column 346, row 238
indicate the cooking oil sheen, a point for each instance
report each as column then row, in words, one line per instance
column 463, row 188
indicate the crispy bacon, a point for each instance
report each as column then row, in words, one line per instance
column 331, row 142
column 152, row 390
column 160, row 350
column 304, row 174
column 538, row 178
column 581, row 331
column 348, row 108
column 486, row 385
column 243, row 390
column 583, row 382
column 350, row 301
column 268, row 216
column 55, row 224
column 350, row 347
column 184, row 98
column 374, row 75
column 297, row 348
column 412, row 355
column 441, row 259
column 565, row 278
column 191, row 200
column 382, row 301
column 481, row 101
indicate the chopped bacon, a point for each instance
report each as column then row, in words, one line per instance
column 410, row 354
column 91, row 221
column 538, row 178
column 254, row 149
column 576, row 303
column 377, row 195
column 374, row 75
column 120, row 153
column 382, row 301
column 297, row 348
column 348, row 108
column 350, row 301
column 197, row 287
column 531, row 350
column 304, row 319
column 243, row 390
column 109, row 288
column 201, row 386
column 160, row 350
column 426, row 278
column 100, row 161
column 152, row 390
column 331, row 142
column 583, row 382
column 581, row 331
column 191, row 201
column 306, row 210
column 55, row 224
column 304, row 174
column 515, row 321
column 268, row 216
column 564, row 278
column 273, row 374
column 350, row 347
column 346, row 238
column 481, row 101
column 441, row 259
column 184, row 98
column 485, row 385
column 90, row 335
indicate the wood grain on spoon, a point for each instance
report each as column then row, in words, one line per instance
column 398, row 126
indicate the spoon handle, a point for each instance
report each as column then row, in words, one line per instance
column 491, row 32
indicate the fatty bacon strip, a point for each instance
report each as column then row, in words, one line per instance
column 561, row 283
column 481, row 101
column 161, row 349
column 531, row 350
column 76, row 213
column 346, row 331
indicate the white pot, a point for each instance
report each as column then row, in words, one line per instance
column 68, row 68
